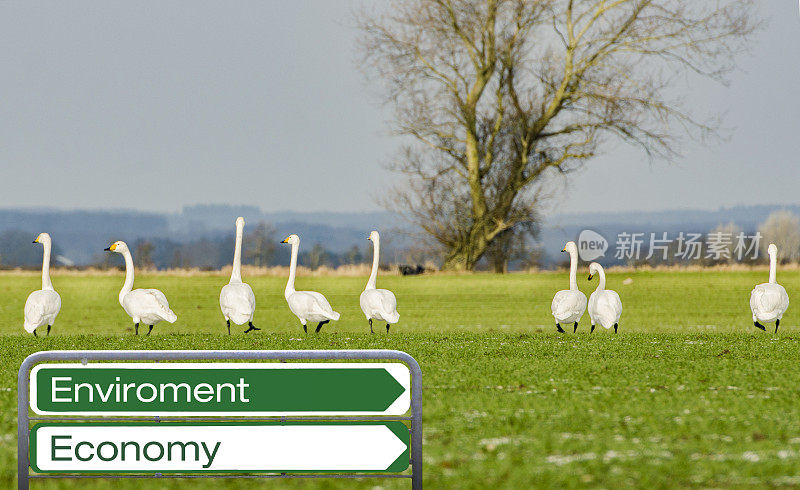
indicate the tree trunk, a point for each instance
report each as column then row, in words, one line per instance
column 459, row 260
column 466, row 255
column 501, row 264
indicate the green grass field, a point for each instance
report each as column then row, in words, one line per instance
column 687, row 394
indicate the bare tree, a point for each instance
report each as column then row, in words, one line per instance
column 783, row 229
column 354, row 255
column 723, row 239
column 178, row 260
column 316, row 257
column 144, row 254
column 496, row 96
column 261, row 244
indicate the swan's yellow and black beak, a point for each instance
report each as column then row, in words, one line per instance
column 285, row 240
column 564, row 249
column 591, row 276
column 369, row 238
column 111, row 248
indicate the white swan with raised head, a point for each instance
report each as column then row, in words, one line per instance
column 378, row 304
column 148, row 306
column 769, row 301
column 308, row 306
column 569, row 304
column 42, row 306
column 236, row 300
column 605, row 307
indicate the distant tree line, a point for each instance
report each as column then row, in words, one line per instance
column 260, row 247
column 781, row 227
column 515, row 249
column 17, row 249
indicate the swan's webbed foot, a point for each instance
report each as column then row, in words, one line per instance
column 34, row 333
column 615, row 327
column 250, row 327
column 558, row 327
column 305, row 329
column 48, row 329
column 759, row 326
column 370, row 326
column 149, row 330
column 592, row 329
column 320, row 324
column 136, row 328
column 387, row 328
column 576, row 328
column 777, row 324
column 229, row 326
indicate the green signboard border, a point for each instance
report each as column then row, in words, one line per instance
column 399, row 465
column 198, row 369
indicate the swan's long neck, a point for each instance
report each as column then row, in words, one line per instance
column 601, row 280
column 773, row 268
column 573, row 270
column 128, row 286
column 46, row 284
column 236, row 273
column 376, row 252
column 292, row 270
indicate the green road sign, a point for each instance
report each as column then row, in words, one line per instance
column 219, row 447
column 266, row 389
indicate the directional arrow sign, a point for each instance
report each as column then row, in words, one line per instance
column 234, row 447
column 266, row 389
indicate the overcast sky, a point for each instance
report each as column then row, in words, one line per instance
column 153, row 105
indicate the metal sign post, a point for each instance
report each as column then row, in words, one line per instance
column 148, row 428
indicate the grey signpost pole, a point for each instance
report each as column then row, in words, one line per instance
column 23, row 393
column 23, row 399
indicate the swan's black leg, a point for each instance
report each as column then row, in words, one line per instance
column 592, row 330
column 387, row 328
column 559, row 328
column 320, row 324
column 576, row 328
column 250, row 327
column 777, row 323
column 615, row 327
column 136, row 327
column 759, row 326
column 48, row 328
column 150, row 330
column 229, row 327
column 34, row 333
column 305, row 329
column 370, row 326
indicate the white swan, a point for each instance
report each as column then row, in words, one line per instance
column 605, row 307
column 148, row 306
column 306, row 305
column 236, row 300
column 378, row 304
column 569, row 304
column 42, row 306
column 769, row 301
